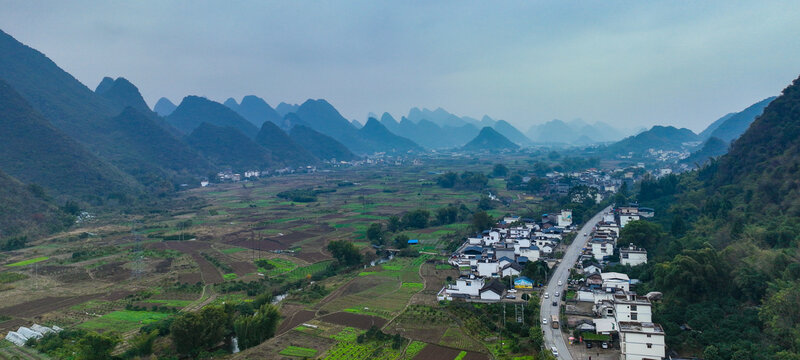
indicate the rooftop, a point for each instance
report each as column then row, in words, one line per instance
column 644, row 327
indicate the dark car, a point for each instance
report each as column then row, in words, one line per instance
column 555, row 303
column 588, row 345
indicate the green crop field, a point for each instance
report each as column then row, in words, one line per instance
column 172, row 303
column 123, row 320
column 307, row 271
column 298, row 352
column 232, row 250
column 414, row 348
column 280, row 266
column 29, row 261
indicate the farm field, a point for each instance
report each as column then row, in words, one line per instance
column 205, row 246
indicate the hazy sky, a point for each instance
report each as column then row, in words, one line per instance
column 628, row 63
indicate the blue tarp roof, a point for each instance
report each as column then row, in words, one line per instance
column 413, row 241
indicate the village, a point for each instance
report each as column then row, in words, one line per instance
column 599, row 309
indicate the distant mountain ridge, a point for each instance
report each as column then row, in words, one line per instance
column 255, row 109
column 322, row 146
column 658, row 137
column 195, row 110
column 737, row 124
column 490, row 139
column 282, row 147
column 575, row 132
column 228, row 147
column 164, row 107
column 385, row 140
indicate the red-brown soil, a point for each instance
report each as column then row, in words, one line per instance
column 355, row 320
column 294, row 320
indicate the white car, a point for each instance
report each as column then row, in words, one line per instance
column 554, row 351
column 546, row 295
column 560, row 283
column 556, row 293
column 544, row 321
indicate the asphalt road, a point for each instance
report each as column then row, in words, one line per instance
column 553, row 337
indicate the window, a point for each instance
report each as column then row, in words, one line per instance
column 633, row 307
column 634, row 316
column 469, row 283
column 649, row 345
column 648, row 335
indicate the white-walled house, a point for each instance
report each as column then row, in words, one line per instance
column 493, row 290
column 641, row 341
column 631, row 307
column 624, row 219
column 466, row 287
column 488, row 269
column 532, row 253
column 602, row 248
column 632, row 255
column 613, row 280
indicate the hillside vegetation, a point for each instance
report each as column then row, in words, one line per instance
column 729, row 265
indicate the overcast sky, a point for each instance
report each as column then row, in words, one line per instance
column 627, row 63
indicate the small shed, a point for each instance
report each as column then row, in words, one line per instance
column 413, row 242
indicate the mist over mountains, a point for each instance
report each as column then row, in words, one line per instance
column 114, row 142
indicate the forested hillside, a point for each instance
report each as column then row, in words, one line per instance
column 35, row 152
column 725, row 253
column 26, row 212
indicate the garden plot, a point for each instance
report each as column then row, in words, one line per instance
column 437, row 352
column 354, row 320
column 422, row 323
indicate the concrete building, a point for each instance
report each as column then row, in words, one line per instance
column 602, row 248
column 632, row 255
column 641, row 341
column 613, row 280
column 631, row 307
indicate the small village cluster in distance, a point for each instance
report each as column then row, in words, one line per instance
column 598, row 305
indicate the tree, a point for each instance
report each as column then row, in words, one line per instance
column 481, row 221
column 485, row 203
column 252, row 330
column 394, row 224
column 401, row 241
column 781, row 315
column 375, row 233
column 193, row 332
column 345, row 252
column 447, row 215
column 641, row 233
column 416, row 219
column 96, row 346
column 499, row 170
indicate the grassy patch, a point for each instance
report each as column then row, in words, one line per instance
column 461, row 355
column 413, row 285
column 595, row 337
column 172, row 303
column 29, row 261
column 347, row 334
column 367, row 273
column 9, row 277
column 232, row 250
column 414, row 348
column 443, row 267
column 299, row 352
column 229, row 276
column 123, row 320
column 307, row 271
